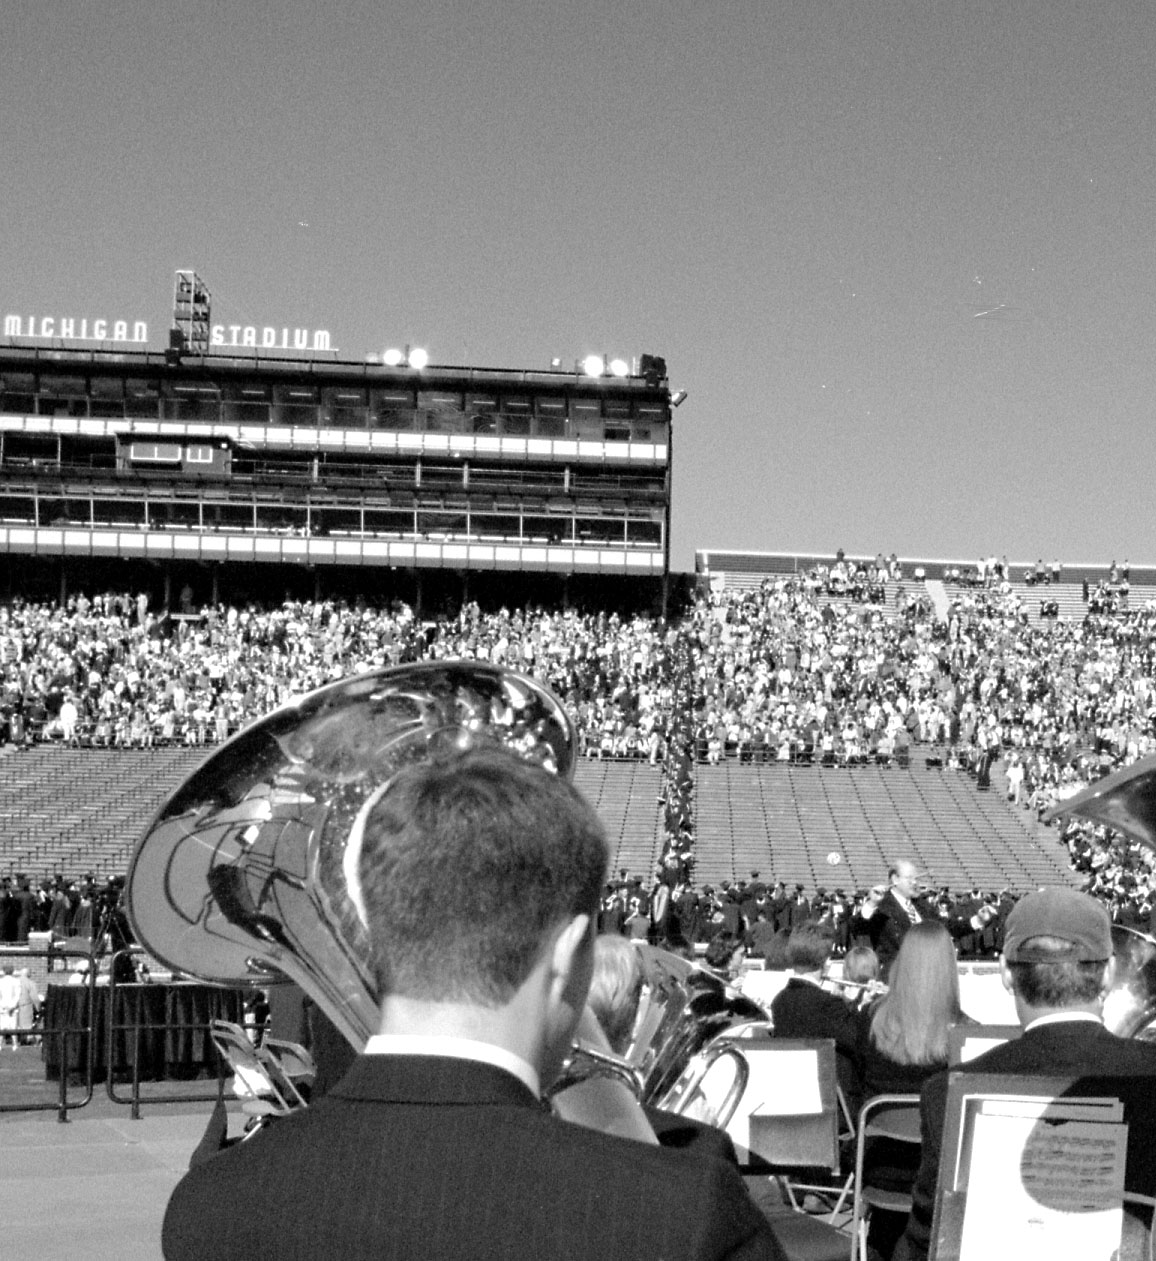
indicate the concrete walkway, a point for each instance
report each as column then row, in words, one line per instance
column 93, row 1188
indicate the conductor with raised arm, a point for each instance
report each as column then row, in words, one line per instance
column 889, row 911
column 437, row 1143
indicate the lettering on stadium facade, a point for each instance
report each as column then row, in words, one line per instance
column 69, row 329
column 268, row 339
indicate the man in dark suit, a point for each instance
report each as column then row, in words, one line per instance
column 889, row 911
column 436, row 1144
column 1057, row 964
column 802, row 1009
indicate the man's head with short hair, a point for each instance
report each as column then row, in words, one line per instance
column 808, row 948
column 1058, row 952
column 466, row 868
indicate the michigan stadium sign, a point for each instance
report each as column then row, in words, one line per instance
column 268, row 338
column 69, row 328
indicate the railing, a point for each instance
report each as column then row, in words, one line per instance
column 136, row 1027
column 121, row 1030
column 38, row 1030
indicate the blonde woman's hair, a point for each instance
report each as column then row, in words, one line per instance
column 911, row 1022
column 615, row 988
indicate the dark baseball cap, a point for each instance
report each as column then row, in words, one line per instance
column 1064, row 914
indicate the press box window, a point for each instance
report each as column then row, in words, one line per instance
column 156, row 452
column 198, row 455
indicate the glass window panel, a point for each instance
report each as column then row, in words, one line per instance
column 16, row 508
column 121, row 511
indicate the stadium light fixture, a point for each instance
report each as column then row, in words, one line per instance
column 593, row 365
column 619, row 368
column 678, row 398
column 413, row 357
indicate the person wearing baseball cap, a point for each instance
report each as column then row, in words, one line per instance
column 1058, row 965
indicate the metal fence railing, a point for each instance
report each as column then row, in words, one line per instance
column 96, row 1024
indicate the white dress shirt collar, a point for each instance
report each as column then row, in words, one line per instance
column 1063, row 1018
column 455, row 1049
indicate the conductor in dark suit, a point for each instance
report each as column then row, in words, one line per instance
column 890, row 910
column 1057, row 964
column 436, row 1144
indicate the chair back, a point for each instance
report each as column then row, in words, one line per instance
column 894, row 1117
column 965, row 1042
column 789, row 1115
column 258, row 1074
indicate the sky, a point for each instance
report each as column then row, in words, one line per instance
column 900, row 255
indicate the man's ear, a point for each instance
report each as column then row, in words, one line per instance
column 572, row 955
column 1005, row 975
column 1109, row 975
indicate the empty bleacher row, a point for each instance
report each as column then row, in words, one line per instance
column 784, row 821
column 627, row 796
column 76, row 810
column 69, row 811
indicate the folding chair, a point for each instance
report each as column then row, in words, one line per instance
column 894, row 1117
column 265, row 1078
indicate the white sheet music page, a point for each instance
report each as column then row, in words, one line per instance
column 1039, row 1187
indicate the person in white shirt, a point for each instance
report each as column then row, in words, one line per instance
column 9, row 1006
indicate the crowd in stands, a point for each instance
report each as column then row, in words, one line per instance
column 811, row 667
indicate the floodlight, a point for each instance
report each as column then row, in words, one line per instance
column 678, row 398
column 418, row 358
column 593, row 365
column 392, row 357
column 619, row 368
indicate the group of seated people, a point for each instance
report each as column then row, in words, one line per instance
column 784, row 673
column 887, row 1042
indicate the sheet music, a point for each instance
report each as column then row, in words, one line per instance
column 971, row 1047
column 1038, row 1187
column 785, row 1083
column 1074, row 1108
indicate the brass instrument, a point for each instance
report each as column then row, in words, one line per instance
column 1125, row 800
column 248, row 872
column 247, row 875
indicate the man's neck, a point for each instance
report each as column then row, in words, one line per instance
column 415, row 1017
column 1027, row 1015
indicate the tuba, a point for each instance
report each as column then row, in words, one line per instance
column 1125, row 801
column 247, row 876
column 248, row 873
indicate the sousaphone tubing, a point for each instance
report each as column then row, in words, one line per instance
column 247, row 875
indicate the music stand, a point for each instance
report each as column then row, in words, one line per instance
column 967, row 1093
